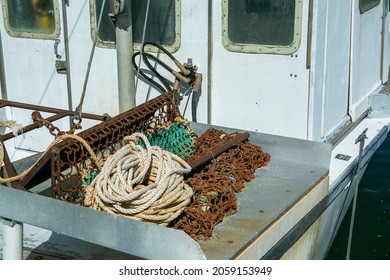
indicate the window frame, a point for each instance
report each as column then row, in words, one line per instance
column 137, row 46
column 32, row 34
column 258, row 48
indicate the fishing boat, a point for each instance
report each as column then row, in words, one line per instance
column 306, row 80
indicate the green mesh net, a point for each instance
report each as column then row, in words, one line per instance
column 177, row 138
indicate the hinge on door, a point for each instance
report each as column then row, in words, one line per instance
column 61, row 66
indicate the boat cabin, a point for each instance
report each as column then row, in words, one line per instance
column 304, row 69
column 303, row 77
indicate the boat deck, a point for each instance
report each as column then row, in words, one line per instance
column 295, row 176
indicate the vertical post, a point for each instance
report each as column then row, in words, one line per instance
column 12, row 239
column 3, row 86
column 67, row 57
column 124, row 48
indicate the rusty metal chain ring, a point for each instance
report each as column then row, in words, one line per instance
column 53, row 130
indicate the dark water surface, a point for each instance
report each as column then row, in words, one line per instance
column 371, row 232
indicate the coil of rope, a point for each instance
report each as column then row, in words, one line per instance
column 145, row 184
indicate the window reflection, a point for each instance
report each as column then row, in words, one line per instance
column 366, row 5
column 27, row 17
column 44, row 16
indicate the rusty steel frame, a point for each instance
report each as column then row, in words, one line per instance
column 58, row 114
column 70, row 159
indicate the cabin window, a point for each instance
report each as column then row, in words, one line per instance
column 366, row 5
column 31, row 18
column 262, row 26
column 163, row 23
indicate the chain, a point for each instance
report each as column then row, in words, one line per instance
column 53, row 130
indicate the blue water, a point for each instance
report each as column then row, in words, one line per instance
column 371, row 231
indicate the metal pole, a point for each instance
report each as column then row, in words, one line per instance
column 67, row 56
column 355, row 184
column 3, row 85
column 12, row 239
column 124, row 48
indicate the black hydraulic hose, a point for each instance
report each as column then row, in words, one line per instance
column 145, row 57
column 186, row 75
column 160, row 88
column 158, row 46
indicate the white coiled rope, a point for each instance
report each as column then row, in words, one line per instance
column 142, row 183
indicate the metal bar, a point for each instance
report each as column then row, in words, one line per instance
column 3, row 83
column 309, row 35
column 67, row 56
column 34, row 126
column 355, row 185
column 4, row 103
column 219, row 150
column 124, row 48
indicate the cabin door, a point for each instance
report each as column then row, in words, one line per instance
column 33, row 50
column 366, row 51
column 259, row 68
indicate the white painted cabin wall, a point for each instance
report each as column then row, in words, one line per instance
column 257, row 92
column 329, row 68
column 366, row 58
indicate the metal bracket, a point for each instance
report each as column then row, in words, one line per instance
column 61, row 66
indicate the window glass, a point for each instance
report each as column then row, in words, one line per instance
column 31, row 18
column 162, row 23
column 365, row 5
column 262, row 26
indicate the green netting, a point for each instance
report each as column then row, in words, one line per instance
column 176, row 138
column 89, row 176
